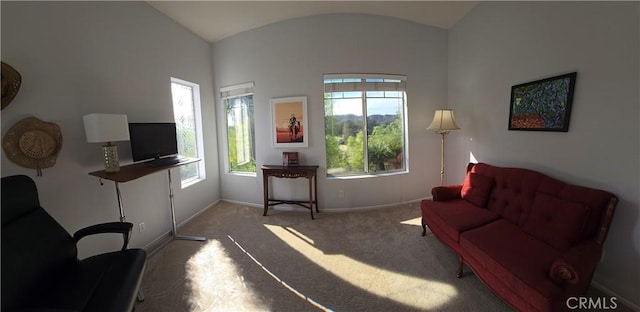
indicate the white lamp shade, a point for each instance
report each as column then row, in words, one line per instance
column 100, row 128
column 443, row 121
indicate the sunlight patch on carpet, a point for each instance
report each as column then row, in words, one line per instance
column 283, row 283
column 214, row 283
column 415, row 221
column 408, row 290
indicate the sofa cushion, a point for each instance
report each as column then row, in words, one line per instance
column 476, row 189
column 595, row 200
column 556, row 221
column 455, row 216
column 446, row 192
column 502, row 253
column 513, row 192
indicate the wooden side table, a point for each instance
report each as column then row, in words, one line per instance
column 291, row 172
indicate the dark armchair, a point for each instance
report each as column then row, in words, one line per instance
column 40, row 267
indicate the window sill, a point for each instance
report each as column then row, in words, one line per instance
column 190, row 182
column 243, row 174
column 366, row 176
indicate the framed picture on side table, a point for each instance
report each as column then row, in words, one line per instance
column 289, row 122
column 289, row 158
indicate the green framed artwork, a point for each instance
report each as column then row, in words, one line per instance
column 542, row 105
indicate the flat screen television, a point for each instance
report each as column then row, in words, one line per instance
column 152, row 140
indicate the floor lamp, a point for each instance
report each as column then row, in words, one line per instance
column 443, row 123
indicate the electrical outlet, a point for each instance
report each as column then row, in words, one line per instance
column 141, row 226
column 341, row 193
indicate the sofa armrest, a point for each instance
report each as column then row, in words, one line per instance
column 576, row 266
column 123, row 228
column 446, row 192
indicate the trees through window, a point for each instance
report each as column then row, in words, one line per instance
column 364, row 124
column 238, row 101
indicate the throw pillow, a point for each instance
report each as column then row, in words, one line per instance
column 556, row 221
column 476, row 189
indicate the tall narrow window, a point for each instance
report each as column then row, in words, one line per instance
column 238, row 101
column 364, row 124
column 186, row 112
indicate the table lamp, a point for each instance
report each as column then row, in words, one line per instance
column 443, row 123
column 107, row 128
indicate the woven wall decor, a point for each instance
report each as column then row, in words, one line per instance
column 33, row 143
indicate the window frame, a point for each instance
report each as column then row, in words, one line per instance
column 231, row 92
column 364, row 84
column 196, row 106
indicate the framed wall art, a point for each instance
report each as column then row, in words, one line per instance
column 289, row 122
column 542, row 105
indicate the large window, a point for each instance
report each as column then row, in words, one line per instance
column 364, row 124
column 238, row 101
column 186, row 112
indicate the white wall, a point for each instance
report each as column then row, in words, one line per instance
column 111, row 57
column 289, row 59
column 501, row 44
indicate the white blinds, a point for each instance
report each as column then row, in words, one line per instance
column 373, row 82
column 236, row 90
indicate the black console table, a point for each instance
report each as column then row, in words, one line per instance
column 291, row 172
column 138, row 170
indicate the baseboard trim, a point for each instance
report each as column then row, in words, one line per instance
column 252, row 205
column 156, row 245
column 199, row 212
column 353, row 209
column 609, row 292
column 366, row 208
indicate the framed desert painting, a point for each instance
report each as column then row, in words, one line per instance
column 542, row 105
column 289, row 122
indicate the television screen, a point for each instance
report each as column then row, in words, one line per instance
column 152, row 140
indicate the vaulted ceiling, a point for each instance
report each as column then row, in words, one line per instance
column 216, row 20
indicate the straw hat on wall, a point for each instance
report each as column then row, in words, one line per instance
column 33, row 143
column 11, row 81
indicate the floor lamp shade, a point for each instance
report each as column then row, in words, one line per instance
column 107, row 128
column 443, row 122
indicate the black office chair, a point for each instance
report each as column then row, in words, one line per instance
column 40, row 266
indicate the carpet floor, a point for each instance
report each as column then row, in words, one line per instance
column 353, row 261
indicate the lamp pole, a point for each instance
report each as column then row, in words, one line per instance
column 443, row 122
column 443, row 133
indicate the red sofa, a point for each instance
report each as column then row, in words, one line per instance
column 534, row 240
